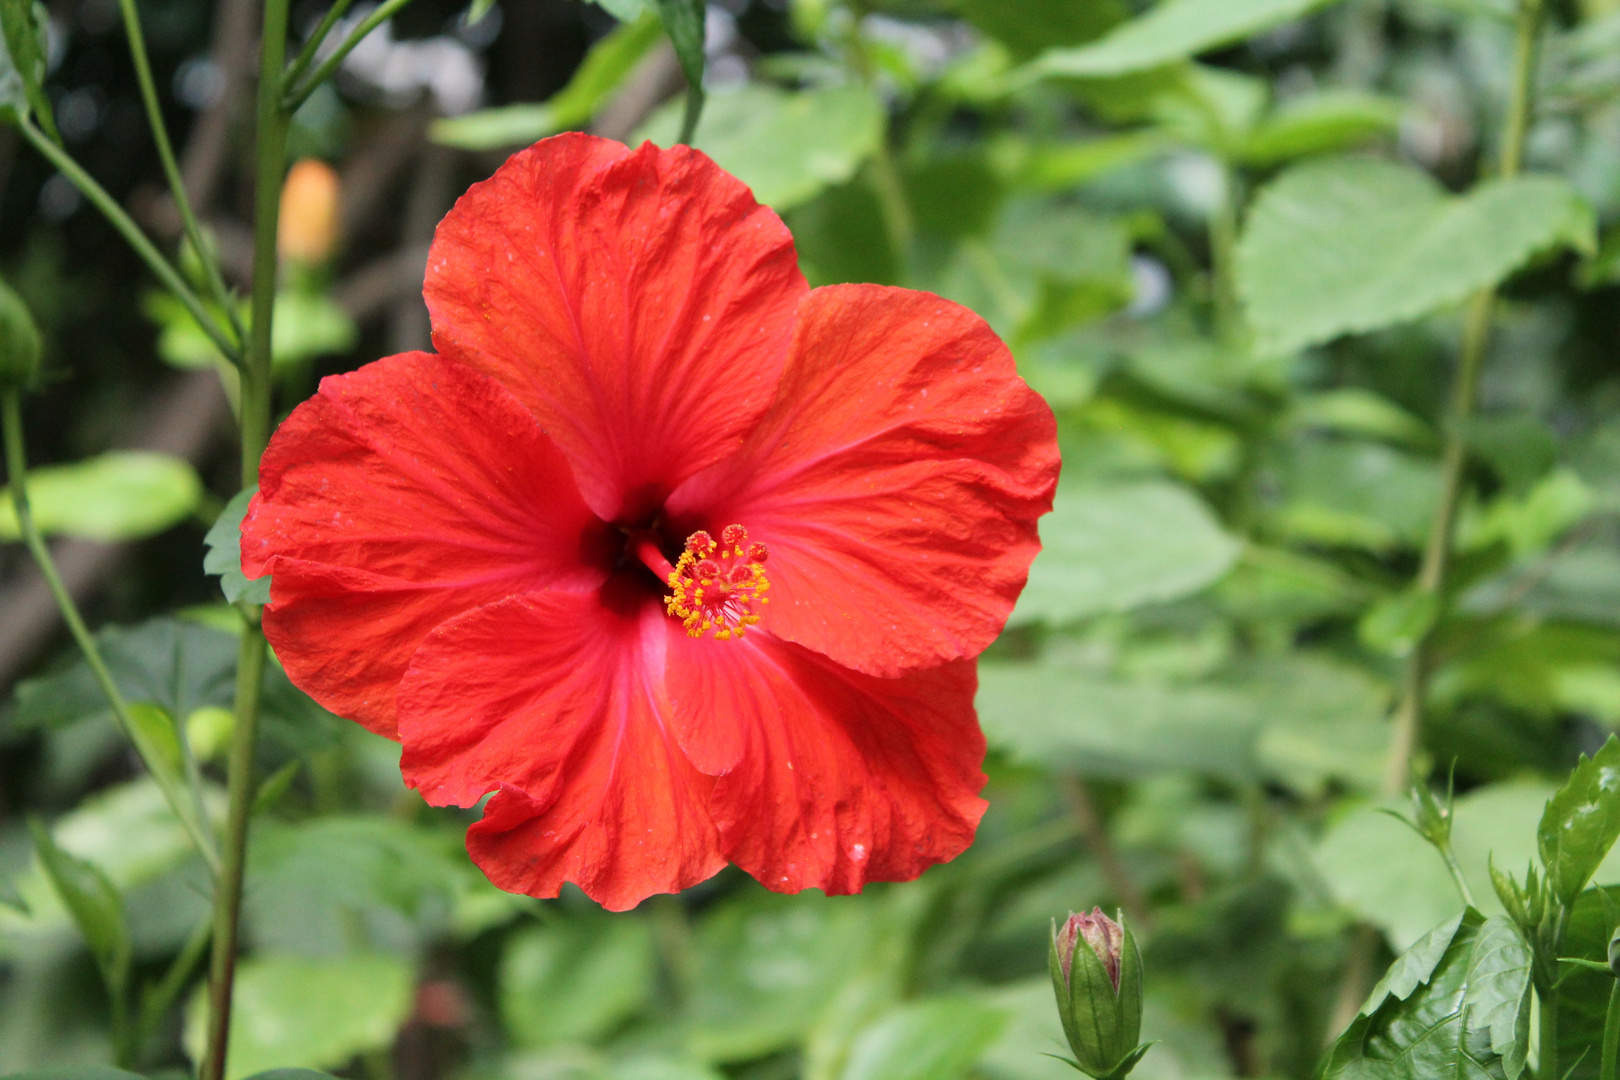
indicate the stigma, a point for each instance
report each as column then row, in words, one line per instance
column 718, row 586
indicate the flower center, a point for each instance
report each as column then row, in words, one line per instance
column 718, row 586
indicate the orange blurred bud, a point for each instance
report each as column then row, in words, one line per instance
column 309, row 212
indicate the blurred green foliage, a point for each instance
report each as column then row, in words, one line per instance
column 1229, row 241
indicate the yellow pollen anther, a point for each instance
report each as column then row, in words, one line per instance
column 718, row 586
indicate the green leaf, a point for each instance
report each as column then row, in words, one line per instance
column 94, row 904
column 1581, row 822
column 603, row 70
column 1116, row 548
column 934, row 1039
column 291, row 1011
column 1356, row 494
column 1056, row 718
column 1583, row 994
column 307, row 324
column 1356, row 412
column 24, row 28
column 1499, row 988
column 76, row 1072
column 180, row 666
column 1398, row 622
column 626, row 10
column 1380, row 870
column 1030, row 26
column 767, row 967
column 175, row 665
column 787, row 147
column 310, row 324
column 1323, row 720
column 1447, row 1024
column 1414, row 967
column 1319, row 123
column 310, row 882
column 575, row 980
column 1351, row 245
column 122, row 495
column 1171, row 31
column 685, row 21
column 224, row 553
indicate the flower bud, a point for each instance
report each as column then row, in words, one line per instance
column 1097, row 976
column 309, row 212
column 19, row 342
column 1614, row 953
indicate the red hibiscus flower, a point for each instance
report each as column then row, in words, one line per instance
column 686, row 562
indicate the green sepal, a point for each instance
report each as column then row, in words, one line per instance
column 1101, row 1023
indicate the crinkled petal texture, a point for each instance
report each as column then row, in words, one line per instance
column 397, row 497
column 829, row 778
column 639, row 302
column 896, row 480
column 461, row 544
column 557, row 700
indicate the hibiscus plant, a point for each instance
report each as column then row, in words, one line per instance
column 742, row 521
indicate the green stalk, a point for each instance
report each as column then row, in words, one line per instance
column 1611, row 1034
column 306, row 55
column 159, row 998
column 1223, row 233
column 17, row 468
column 1548, row 1068
column 295, row 97
column 893, row 204
column 171, row 168
column 273, row 121
column 132, row 234
column 1435, row 569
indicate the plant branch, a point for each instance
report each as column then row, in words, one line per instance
column 132, row 234
column 294, row 97
column 274, row 117
column 171, row 168
column 1434, row 572
column 886, row 181
column 157, row 999
column 306, row 55
column 1611, row 1034
column 17, row 470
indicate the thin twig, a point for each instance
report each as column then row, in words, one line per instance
column 17, row 470
column 131, row 233
column 171, row 169
column 294, row 97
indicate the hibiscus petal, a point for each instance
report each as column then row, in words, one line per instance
column 397, row 497
column 896, row 481
column 556, row 700
column 829, row 778
column 640, row 303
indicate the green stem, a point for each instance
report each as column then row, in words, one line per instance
column 158, row 999
column 886, row 182
column 691, row 114
column 17, row 469
column 293, row 98
column 273, row 120
column 306, row 55
column 1223, row 231
column 132, row 234
column 1548, row 1067
column 171, row 168
column 1457, row 878
column 1435, row 569
column 1611, row 1034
